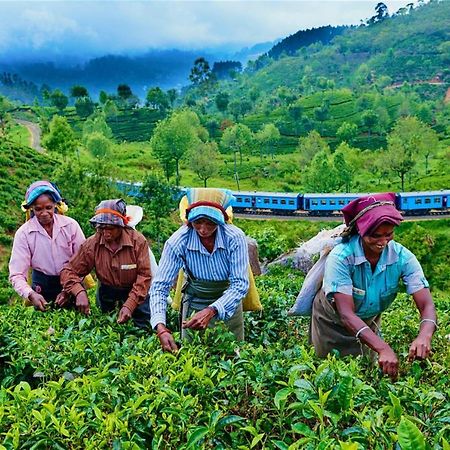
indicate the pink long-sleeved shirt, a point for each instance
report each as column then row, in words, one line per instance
column 34, row 248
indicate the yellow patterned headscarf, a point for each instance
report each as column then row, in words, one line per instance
column 214, row 204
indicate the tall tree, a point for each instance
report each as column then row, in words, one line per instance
column 321, row 174
column 347, row 162
column 203, row 160
column 369, row 119
column 61, row 138
column 110, row 109
column 59, row 100
column 98, row 145
column 103, row 97
column 347, row 132
column 201, row 74
column 237, row 138
column 157, row 99
column 173, row 137
column 310, row 145
column 268, row 138
column 78, row 91
column 409, row 139
column 84, row 107
column 96, row 124
column 124, row 91
column 172, row 95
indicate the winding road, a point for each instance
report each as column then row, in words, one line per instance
column 35, row 134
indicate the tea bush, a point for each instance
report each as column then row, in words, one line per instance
column 69, row 381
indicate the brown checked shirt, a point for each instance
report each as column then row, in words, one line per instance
column 128, row 266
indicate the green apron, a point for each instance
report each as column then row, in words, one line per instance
column 199, row 294
column 328, row 333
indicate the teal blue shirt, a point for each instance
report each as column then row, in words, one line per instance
column 347, row 271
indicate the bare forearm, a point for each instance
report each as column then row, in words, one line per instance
column 357, row 327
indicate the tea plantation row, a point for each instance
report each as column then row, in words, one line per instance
column 70, row 382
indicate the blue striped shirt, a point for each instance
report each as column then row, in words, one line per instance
column 228, row 261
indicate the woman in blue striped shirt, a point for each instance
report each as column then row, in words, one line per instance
column 214, row 255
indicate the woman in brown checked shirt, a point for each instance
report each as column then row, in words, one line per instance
column 120, row 257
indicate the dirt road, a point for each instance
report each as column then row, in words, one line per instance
column 35, row 134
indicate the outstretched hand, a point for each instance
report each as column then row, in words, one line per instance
column 62, row 299
column 166, row 339
column 38, row 301
column 82, row 303
column 420, row 348
column 200, row 320
column 388, row 362
column 124, row 315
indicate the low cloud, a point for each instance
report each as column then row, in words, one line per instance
column 86, row 28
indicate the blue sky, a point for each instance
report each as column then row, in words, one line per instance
column 83, row 29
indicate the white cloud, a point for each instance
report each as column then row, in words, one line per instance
column 97, row 27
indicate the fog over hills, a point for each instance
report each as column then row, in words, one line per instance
column 164, row 68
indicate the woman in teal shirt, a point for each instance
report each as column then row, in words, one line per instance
column 361, row 280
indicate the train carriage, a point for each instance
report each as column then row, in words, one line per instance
column 414, row 203
column 325, row 204
column 270, row 201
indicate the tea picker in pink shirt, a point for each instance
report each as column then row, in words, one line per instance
column 44, row 243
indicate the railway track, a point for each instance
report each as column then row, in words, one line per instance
column 330, row 218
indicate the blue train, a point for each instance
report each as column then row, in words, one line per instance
column 410, row 203
column 275, row 203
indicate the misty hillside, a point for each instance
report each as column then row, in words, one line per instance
column 164, row 68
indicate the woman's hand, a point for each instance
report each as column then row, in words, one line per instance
column 166, row 339
column 38, row 301
column 62, row 299
column 200, row 320
column 420, row 348
column 388, row 362
column 124, row 315
column 82, row 303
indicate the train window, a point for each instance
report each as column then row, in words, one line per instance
column 239, row 200
column 314, row 202
column 323, row 202
column 266, row 200
column 274, row 201
column 332, row 202
column 291, row 202
column 405, row 200
column 247, row 199
column 418, row 201
column 437, row 200
column 341, row 202
column 428, row 200
column 283, row 201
